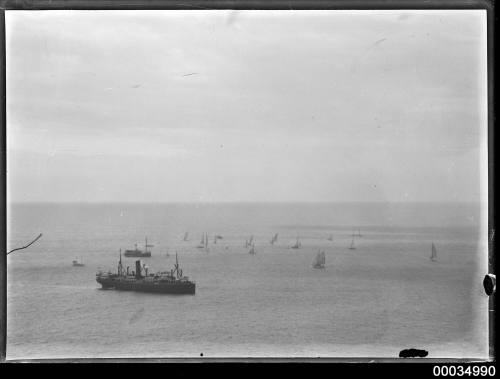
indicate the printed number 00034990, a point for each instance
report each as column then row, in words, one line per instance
column 464, row 370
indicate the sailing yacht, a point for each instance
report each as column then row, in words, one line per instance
column 319, row 260
column 352, row 247
column 433, row 253
column 201, row 245
column 274, row 239
column 297, row 245
column 249, row 242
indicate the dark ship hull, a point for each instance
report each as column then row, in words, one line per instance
column 139, row 254
column 318, row 267
column 179, row 288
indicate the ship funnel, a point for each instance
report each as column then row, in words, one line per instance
column 138, row 269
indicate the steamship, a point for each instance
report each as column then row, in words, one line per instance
column 172, row 282
column 139, row 253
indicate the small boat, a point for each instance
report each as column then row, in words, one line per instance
column 185, row 236
column 359, row 233
column 330, row 238
column 274, row 239
column 319, row 260
column 78, row 262
column 433, row 253
column 297, row 245
column 252, row 250
column 352, row 247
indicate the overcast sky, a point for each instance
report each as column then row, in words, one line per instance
column 246, row 105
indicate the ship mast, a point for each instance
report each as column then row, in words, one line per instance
column 120, row 267
column 176, row 265
column 146, row 246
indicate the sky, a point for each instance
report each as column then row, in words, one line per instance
column 210, row 106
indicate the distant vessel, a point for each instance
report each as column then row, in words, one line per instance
column 433, row 253
column 352, row 247
column 185, row 236
column 297, row 245
column 201, row 245
column 217, row 237
column 204, row 242
column 330, row 238
column 172, row 282
column 252, row 250
column 249, row 242
column 139, row 253
column 319, row 260
column 78, row 262
column 359, row 233
column 274, row 239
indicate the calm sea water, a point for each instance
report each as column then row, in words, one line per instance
column 384, row 296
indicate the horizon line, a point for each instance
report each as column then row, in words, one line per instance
column 248, row 202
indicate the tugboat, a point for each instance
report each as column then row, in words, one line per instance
column 172, row 282
column 139, row 253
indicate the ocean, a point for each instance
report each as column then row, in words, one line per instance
column 373, row 301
